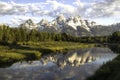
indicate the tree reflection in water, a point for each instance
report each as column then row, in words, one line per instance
column 75, row 65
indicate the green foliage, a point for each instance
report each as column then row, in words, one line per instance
column 13, row 52
column 115, row 37
column 20, row 34
column 10, row 57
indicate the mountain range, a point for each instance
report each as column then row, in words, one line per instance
column 75, row 26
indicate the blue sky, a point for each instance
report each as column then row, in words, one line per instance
column 16, row 11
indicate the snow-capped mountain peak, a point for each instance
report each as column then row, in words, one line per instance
column 61, row 19
column 44, row 22
column 61, row 24
column 29, row 24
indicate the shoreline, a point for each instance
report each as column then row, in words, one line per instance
column 34, row 50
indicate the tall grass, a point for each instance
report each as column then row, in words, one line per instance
column 57, row 46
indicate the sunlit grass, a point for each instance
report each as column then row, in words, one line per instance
column 34, row 50
column 57, row 46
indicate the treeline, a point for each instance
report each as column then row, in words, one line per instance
column 8, row 34
column 114, row 38
column 20, row 34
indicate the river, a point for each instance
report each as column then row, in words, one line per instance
column 73, row 65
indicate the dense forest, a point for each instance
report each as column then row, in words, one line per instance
column 20, row 34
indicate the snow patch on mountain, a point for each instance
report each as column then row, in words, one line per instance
column 60, row 23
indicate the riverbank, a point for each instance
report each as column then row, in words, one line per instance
column 110, row 70
column 11, row 53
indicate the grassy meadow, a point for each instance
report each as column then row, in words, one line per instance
column 11, row 53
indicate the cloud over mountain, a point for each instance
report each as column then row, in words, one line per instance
column 52, row 8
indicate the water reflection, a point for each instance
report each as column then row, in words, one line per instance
column 75, row 58
column 74, row 65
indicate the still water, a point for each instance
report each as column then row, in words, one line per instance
column 73, row 65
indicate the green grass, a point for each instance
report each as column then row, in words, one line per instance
column 33, row 50
column 56, row 46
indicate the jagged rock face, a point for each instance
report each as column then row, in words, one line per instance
column 69, row 30
column 73, row 25
column 44, row 25
column 44, row 22
column 61, row 19
column 93, row 23
column 74, row 22
column 82, row 31
column 76, row 19
column 29, row 24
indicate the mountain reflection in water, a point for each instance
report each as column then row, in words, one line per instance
column 74, row 65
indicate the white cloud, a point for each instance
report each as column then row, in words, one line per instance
column 12, row 8
column 51, row 8
column 46, row 8
column 106, row 8
column 56, row 8
column 16, row 20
